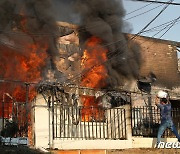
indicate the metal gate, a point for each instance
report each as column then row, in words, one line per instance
column 92, row 123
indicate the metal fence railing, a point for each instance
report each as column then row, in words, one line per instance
column 13, row 119
column 146, row 120
column 73, row 122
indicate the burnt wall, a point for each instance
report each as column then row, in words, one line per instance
column 68, row 61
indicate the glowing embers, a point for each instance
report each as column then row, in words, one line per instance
column 94, row 76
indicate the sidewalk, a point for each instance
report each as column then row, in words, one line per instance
column 125, row 151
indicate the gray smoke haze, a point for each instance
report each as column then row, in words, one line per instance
column 65, row 11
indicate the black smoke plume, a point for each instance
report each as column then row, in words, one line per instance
column 104, row 19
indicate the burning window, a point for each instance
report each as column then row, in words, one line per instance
column 91, row 111
column 95, row 76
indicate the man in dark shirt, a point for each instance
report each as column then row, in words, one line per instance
column 166, row 119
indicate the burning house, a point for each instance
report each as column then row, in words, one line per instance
column 84, row 111
column 76, row 83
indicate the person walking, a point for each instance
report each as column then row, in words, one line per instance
column 163, row 103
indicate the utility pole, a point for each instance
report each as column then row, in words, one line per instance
column 26, row 108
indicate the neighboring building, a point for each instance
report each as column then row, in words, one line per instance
column 159, row 60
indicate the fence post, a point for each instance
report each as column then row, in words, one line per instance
column 27, row 109
column 128, row 122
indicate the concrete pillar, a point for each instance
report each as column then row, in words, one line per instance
column 128, row 124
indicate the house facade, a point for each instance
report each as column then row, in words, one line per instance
column 58, row 125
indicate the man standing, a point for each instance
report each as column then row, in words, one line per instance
column 164, row 105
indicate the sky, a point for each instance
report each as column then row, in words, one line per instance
column 143, row 18
column 139, row 22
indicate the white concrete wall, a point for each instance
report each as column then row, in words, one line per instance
column 135, row 142
column 92, row 144
column 143, row 142
column 41, row 128
column 41, row 123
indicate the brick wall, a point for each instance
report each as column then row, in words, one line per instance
column 159, row 57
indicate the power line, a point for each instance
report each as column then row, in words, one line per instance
column 138, row 9
column 155, row 17
column 162, row 25
column 20, row 48
column 172, row 23
column 143, row 12
column 150, row 1
column 170, row 27
column 81, row 30
column 144, row 26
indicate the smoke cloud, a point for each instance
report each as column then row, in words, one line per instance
column 104, row 19
column 25, row 23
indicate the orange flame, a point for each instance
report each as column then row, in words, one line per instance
column 95, row 76
column 92, row 62
column 25, row 66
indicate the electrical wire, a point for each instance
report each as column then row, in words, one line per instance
column 143, row 12
column 150, row 1
column 138, row 9
column 156, row 28
column 131, row 18
column 145, row 31
column 139, row 31
column 155, row 17
column 170, row 27
column 81, row 30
